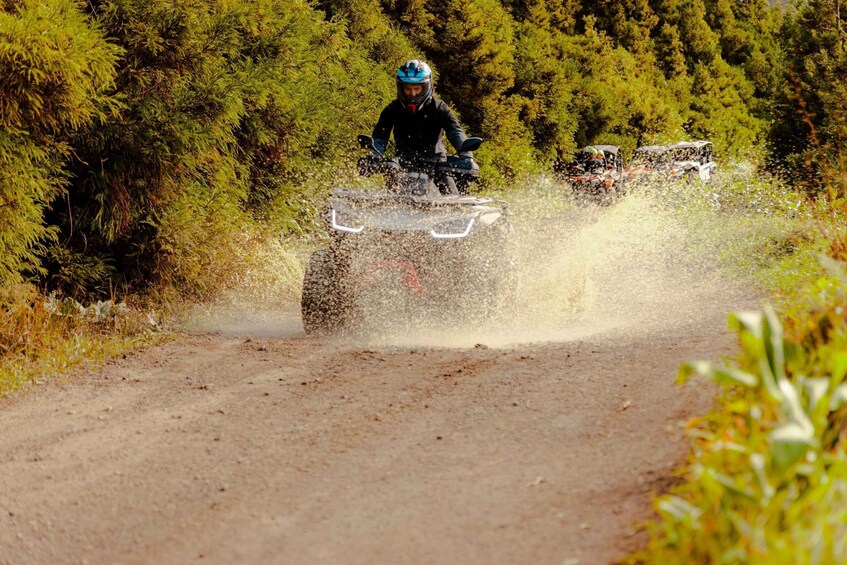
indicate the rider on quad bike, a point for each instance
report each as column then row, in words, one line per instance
column 419, row 121
column 419, row 250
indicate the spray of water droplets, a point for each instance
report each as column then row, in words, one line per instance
column 648, row 261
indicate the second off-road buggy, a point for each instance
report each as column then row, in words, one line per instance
column 408, row 254
column 691, row 160
column 596, row 173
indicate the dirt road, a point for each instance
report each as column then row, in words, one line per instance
column 257, row 444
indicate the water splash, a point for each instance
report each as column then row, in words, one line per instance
column 637, row 265
column 652, row 260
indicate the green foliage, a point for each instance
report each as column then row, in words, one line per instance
column 749, row 40
column 369, row 27
column 766, row 481
column 546, row 88
column 26, row 186
column 56, row 68
column 809, row 123
column 474, row 53
column 669, row 51
column 618, row 100
column 630, row 22
column 721, row 99
column 230, row 111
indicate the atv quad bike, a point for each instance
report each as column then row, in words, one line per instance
column 408, row 254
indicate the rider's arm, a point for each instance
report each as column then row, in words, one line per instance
column 382, row 129
column 455, row 133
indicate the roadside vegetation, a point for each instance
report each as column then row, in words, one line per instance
column 152, row 153
column 41, row 336
column 765, row 478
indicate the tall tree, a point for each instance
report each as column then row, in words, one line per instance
column 810, row 122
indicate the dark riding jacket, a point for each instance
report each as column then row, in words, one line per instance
column 419, row 133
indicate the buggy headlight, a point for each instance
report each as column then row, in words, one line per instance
column 459, row 227
column 343, row 223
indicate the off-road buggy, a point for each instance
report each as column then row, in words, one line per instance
column 596, row 173
column 649, row 162
column 691, row 160
column 408, row 254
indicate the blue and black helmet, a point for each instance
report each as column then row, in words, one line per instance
column 417, row 73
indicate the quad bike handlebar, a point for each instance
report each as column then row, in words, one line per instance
column 458, row 166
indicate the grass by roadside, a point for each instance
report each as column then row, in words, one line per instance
column 41, row 336
column 765, row 480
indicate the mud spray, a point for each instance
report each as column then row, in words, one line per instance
column 636, row 265
column 263, row 301
column 650, row 261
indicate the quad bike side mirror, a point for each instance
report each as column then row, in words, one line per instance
column 366, row 142
column 471, row 144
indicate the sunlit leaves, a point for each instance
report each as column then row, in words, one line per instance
column 719, row 374
column 231, row 109
column 56, row 67
column 768, row 475
column 56, row 71
column 791, row 441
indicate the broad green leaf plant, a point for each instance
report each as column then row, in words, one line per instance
column 767, row 478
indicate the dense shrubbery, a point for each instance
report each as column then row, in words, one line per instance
column 57, row 70
column 809, row 130
column 224, row 107
column 140, row 141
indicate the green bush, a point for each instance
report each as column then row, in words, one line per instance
column 767, row 477
column 57, row 69
column 231, row 112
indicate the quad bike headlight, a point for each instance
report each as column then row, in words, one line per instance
column 459, row 227
column 342, row 222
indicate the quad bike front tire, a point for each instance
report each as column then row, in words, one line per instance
column 324, row 305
